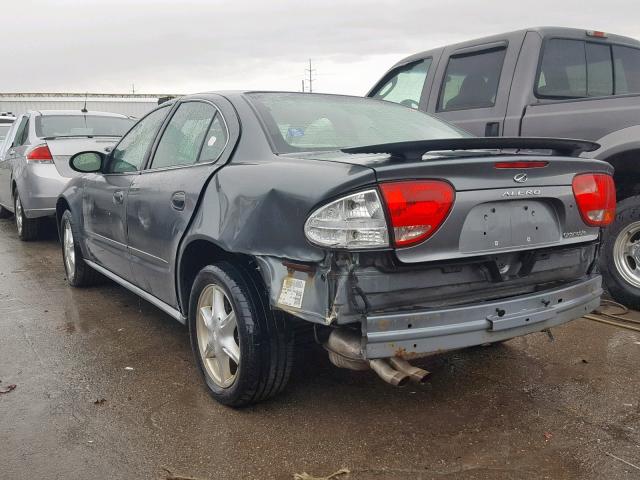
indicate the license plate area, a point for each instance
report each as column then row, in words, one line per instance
column 502, row 225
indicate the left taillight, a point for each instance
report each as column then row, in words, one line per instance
column 40, row 153
column 595, row 195
column 417, row 208
column 354, row 222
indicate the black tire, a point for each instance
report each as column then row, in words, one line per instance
column 265, row 337
column 28, row 228
column 80, row 274
column 627, row 213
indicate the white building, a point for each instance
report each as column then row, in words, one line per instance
column 135, row 105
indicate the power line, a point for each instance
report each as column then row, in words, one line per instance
column 310, row 71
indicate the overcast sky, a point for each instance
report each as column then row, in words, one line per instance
column 191, row 46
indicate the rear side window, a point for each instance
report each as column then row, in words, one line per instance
column 471, row 80
column 404, row 85
column 575, row 69
column 184, row 136
column 214, row 141
column 22, row 134
column 626, row 62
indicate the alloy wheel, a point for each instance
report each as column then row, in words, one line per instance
column 217, row 334
column 18, row 214
column 69, row 252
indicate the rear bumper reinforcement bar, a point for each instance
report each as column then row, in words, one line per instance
column 417, row 332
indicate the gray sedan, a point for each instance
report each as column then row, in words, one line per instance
column 34, row 168
column 389, row 232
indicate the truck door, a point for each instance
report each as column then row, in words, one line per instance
column 472, row 87
column 575, row 90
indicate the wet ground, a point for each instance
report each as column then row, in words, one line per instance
column 106, row 388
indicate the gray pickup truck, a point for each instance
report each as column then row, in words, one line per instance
column 547, row 82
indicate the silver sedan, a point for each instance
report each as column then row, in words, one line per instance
column 34, row 168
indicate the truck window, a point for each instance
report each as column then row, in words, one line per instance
column 626, row 62
column 575, row 69
column 471, row 80
column 404, row 84
column 599, row 70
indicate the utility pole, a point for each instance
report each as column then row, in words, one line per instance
column 133, row 88
column 311, row 71
column 303, row 85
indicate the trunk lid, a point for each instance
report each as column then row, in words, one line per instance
column 496, row 210
column 63, row 148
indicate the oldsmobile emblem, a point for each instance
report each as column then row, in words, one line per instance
column 520, row 177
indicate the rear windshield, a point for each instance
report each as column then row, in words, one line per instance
column 4, row 129
column 81, row 126
column 306, row 122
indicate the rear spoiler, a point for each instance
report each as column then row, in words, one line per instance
column 416, row 149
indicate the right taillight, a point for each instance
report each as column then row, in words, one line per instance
column 416, row 208
column 595, row 195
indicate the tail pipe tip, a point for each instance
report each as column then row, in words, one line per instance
column 416, row 374
column 388, row 373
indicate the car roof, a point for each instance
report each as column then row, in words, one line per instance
column 90, row 113
column 236, row 94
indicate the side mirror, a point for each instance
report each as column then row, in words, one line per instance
column 87, row 162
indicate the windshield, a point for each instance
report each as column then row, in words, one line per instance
column 4, row 129
column 304, row 122
column 81, row 126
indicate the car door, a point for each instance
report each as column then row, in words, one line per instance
column 6, row 160
column 104, row 200
column 163, row 198
column 473, row 87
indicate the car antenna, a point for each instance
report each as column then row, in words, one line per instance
column 84, row 108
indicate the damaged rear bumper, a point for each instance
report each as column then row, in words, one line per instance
column 417, row 332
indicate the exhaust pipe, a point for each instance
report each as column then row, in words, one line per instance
column 345, row 351
column 416, row 374
column 389, row 374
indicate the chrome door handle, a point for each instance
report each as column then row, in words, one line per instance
column 178, row 200
column 118, row 197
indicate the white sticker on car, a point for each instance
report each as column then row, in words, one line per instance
column 292, row 292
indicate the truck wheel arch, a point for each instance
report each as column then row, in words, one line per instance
column 627, row 174
column 622, row 150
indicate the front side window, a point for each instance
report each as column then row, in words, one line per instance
column 297, row 122
column 626, row 61
column 471, row 80
column 130, row 153
column 57, row 126
column 185, row 133
column 405, row 84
